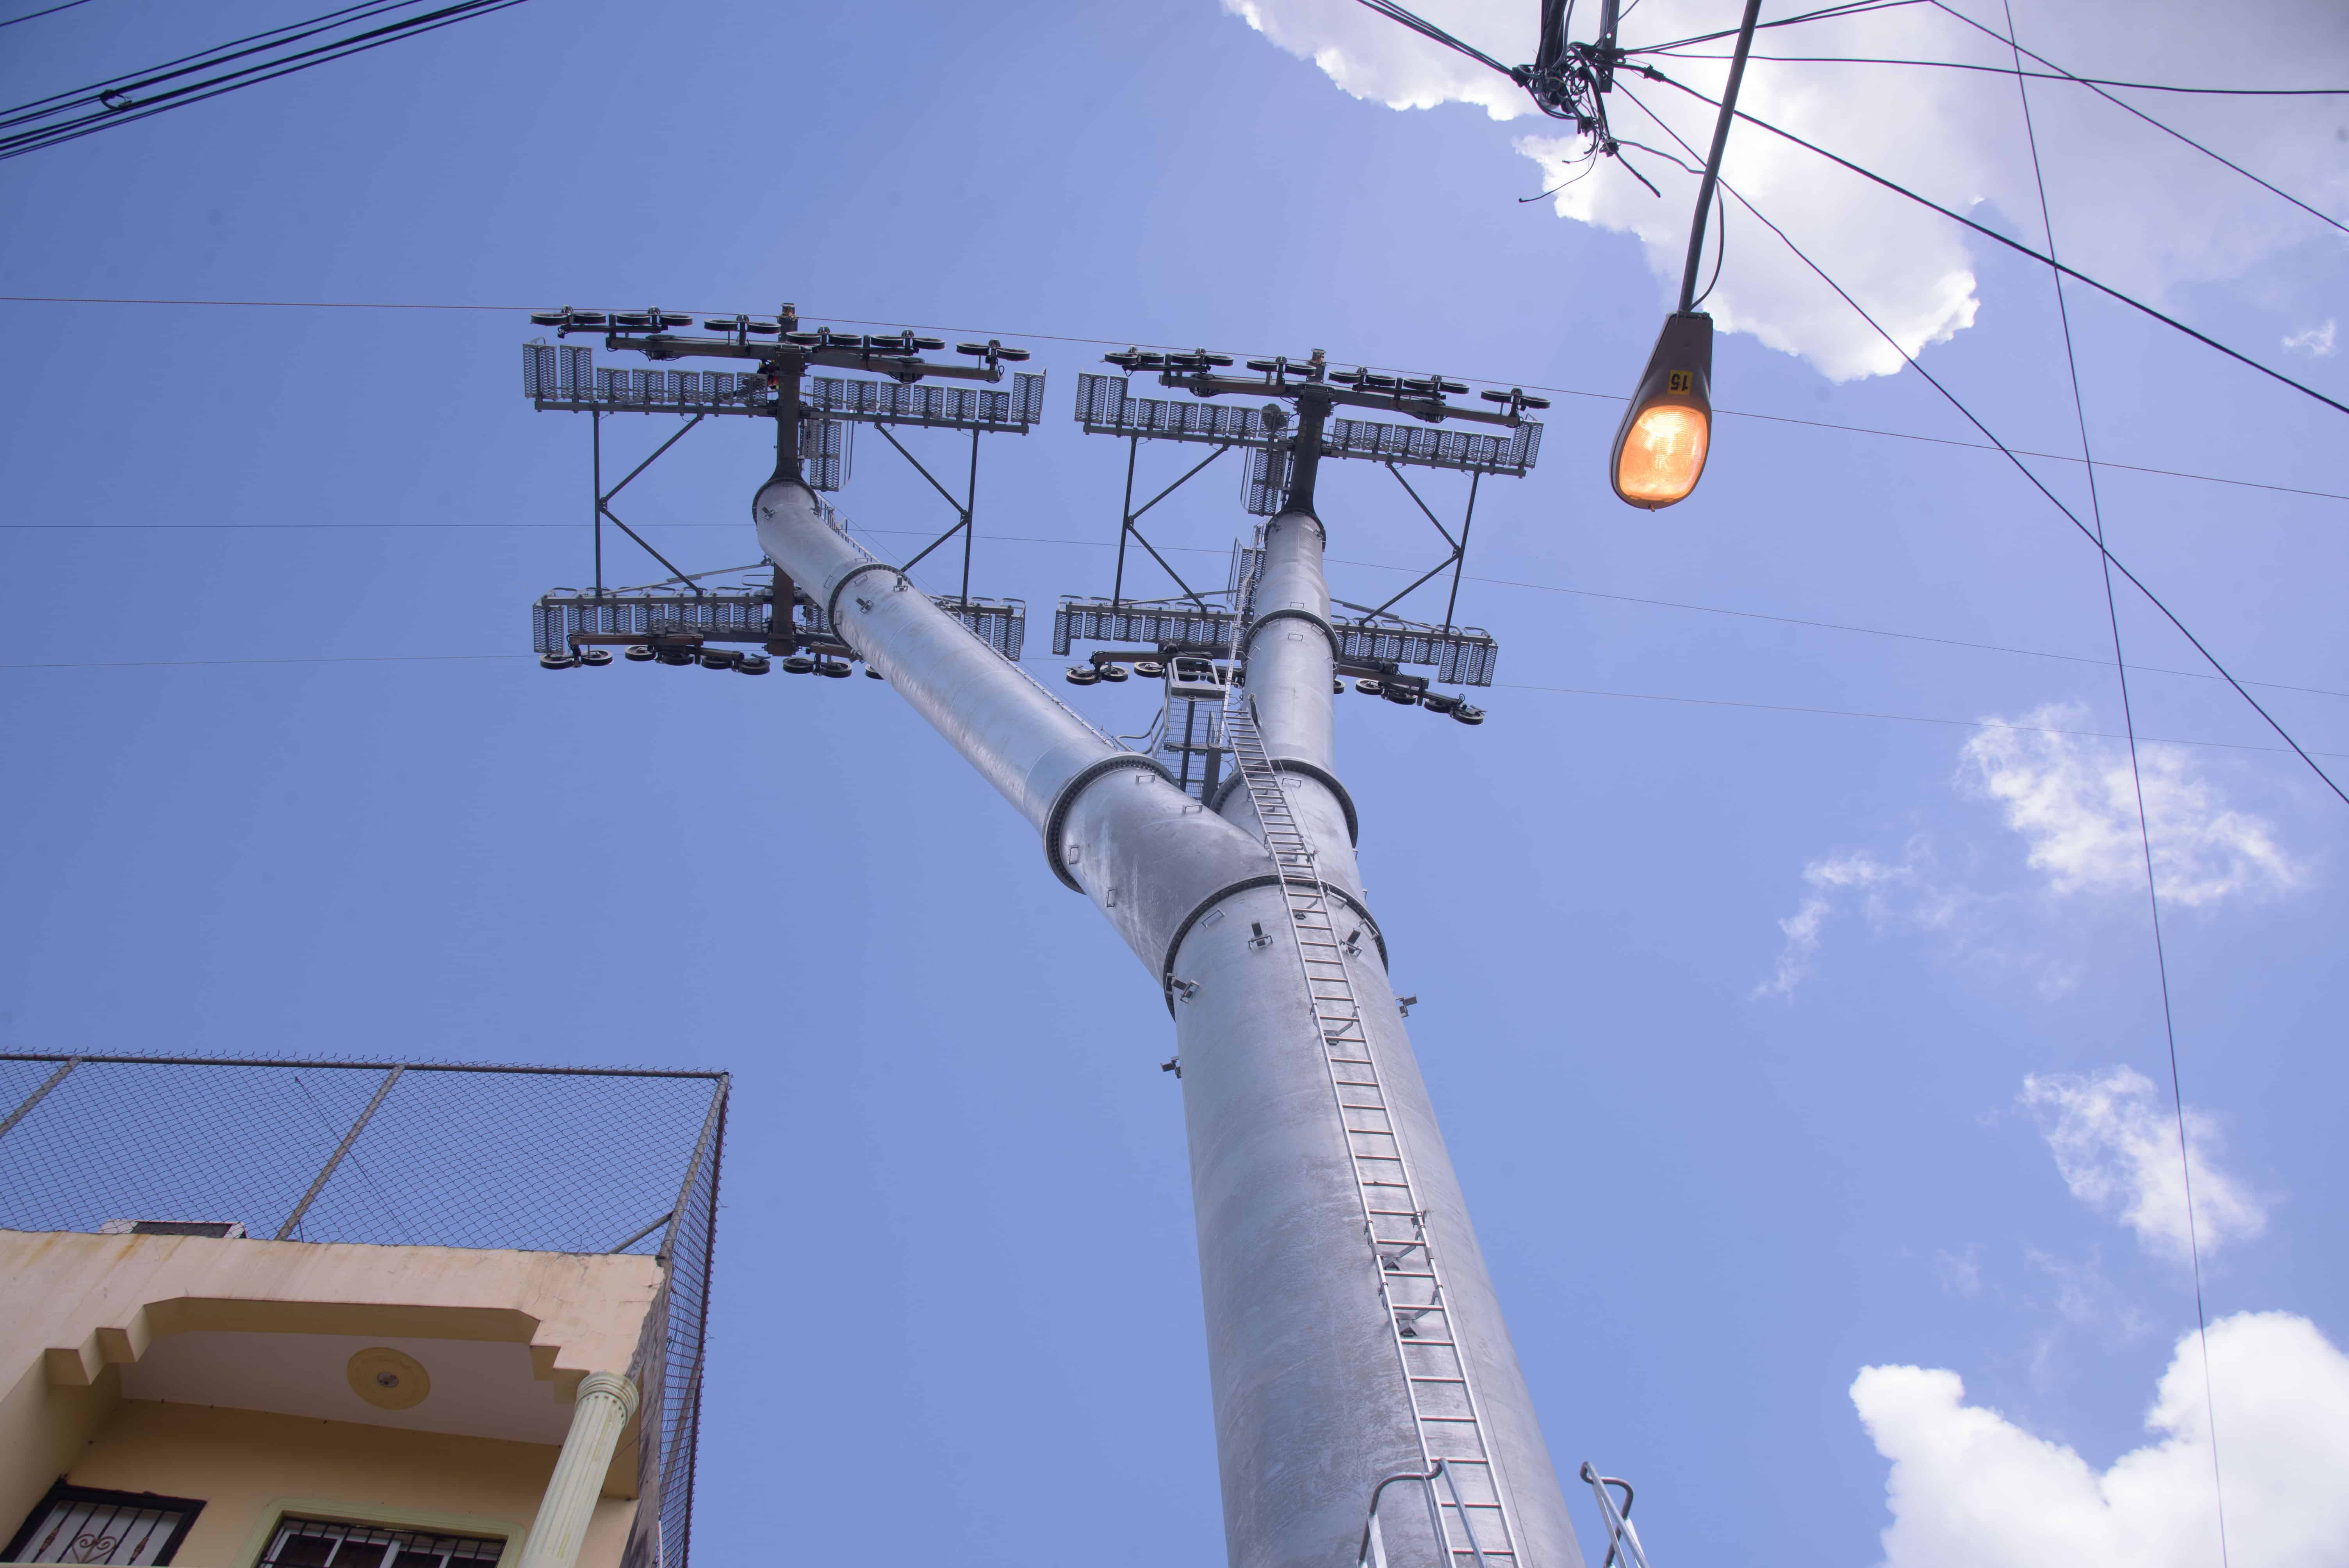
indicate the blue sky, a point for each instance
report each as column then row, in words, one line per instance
column 1773, row 1044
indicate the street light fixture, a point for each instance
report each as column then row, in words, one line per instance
column 1660, row 445
column 1667, row 430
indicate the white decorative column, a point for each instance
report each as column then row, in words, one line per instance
column 599, row 1413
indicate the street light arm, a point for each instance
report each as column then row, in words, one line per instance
column 1712, row 162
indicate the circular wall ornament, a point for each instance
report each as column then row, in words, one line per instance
column 389, row 1379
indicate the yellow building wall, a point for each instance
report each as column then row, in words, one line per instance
column 249, row 1468
column 76, row 1308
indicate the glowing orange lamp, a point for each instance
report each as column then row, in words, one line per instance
column 1660, row 445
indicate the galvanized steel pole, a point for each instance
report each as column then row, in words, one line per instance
column 1311, row 1409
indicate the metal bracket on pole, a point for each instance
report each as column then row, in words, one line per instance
column 1457, row 559
column 1285, row 453
column 814, row 414
column 604, row 501
column 964, row 508
column 1129, row 516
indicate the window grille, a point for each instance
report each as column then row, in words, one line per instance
column 325, row 1543
column 80, row 1524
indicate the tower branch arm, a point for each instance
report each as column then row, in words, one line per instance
column 1432, row 410
column 905, row 367
column 1115, row 827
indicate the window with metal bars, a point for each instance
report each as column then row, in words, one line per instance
column 329, row 1544
column 83, row 1524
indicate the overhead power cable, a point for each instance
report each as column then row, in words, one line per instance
column 219, row 54
column 51, row 11
column 2016, row 245
column 1219, row 553
column 2132, row 108
column 2136, row 783
column 296, row 659
column 1429, row 30
column 1006, row 332
column 119, row 100
column 1829, row 12
column 2020, row 465
column 1043, row 659
column 1889, row 718
column 2005, row 71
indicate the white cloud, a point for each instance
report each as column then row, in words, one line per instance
column 1827, row 878
column 2073, row 800
column 2320, row 342
column 2086, row 1299
column 1377, row 59
column 1960, row 1273
column 2133, row 207
column 2115, row 1140
column 1970, row 1488
column 2074, row 803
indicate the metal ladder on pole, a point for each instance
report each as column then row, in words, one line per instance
column 1471, row 1517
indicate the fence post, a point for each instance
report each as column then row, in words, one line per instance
column 335, row 1159
column 35, row 1098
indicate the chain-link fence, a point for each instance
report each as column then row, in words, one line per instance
column 557, row 1159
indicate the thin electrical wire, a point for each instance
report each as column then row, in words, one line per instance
column 52, row 11
column 1892, row 717
column 2136, row 782
column 2020, row 465
column 1841, row 626
column 1656, row 152
column 2168, row 129
column 293, row 659
column 1720, row 248
column 2004, row 71
column 114, row 114
column 111, row 113
column 1827, row 13
column 1589, row 161
column 1429, row 30
column 1221, row 552
column 1047, row 659
column 1628, row 167
column 1006, row 332
column 234, row 49
column 2016, row 245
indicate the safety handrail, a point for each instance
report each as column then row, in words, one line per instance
column 1622, row 1541
column 1373, row 1553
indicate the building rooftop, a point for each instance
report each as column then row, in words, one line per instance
column 216, row 1241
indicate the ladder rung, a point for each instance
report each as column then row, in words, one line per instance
column 1338, row 1013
